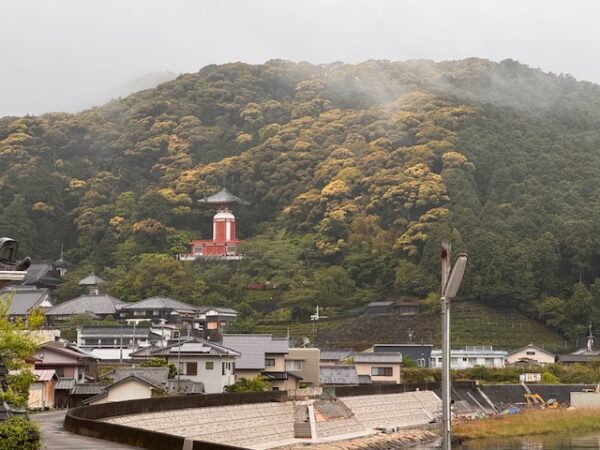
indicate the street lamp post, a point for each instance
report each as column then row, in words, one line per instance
column 451, row 279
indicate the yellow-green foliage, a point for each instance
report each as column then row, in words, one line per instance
column 530, row 422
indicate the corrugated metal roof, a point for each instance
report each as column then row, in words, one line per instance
column 376, row 358
column 338, row 375
column 44, row 374
column 65, row 384
column 253, row 348
column 101, row 304
column 159, row 303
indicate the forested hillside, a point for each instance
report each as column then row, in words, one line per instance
column 355, row 173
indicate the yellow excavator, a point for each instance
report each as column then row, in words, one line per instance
column 536, row 400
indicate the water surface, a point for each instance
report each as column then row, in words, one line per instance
column 548, row 442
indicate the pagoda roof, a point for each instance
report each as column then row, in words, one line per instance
column 91, row 280
column 223, row 197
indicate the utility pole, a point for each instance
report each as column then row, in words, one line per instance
column 451, row 279
column 446, row 412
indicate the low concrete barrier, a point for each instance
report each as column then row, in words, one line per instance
column 83, row 420
column 585, row 399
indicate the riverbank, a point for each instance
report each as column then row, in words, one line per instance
column 398, row 439
column 530, row 422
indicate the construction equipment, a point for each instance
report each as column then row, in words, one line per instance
column 536, row 400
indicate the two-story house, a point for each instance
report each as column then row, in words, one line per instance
column 99, row 336
column 159, row 310
column 67, row 361
column 262, row 354
column 200, row 361
column 471, row 356
column 378, row 367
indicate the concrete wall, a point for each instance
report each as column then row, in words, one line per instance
column 585, row 399
column 83, row 420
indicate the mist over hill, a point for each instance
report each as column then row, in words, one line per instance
column 355, row 173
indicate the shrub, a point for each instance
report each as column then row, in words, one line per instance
column 19, row 433
column 548, row 378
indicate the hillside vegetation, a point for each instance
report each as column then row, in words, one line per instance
column 355, row 173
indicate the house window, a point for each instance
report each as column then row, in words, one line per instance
column 421, row 362
column 210, row 365
column 381, row 371
column 156, row 312
column 191, row 368
column 293, row 366
column 465, row 359
column 139, row 313
column 269, row 362
column 530, row 353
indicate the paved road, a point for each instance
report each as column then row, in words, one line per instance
column 55, row 437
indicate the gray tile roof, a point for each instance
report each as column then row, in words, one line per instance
column 126, row 331
column 65, row 349
column 22, row 301
column 100, row 304
column 65, row 384
column 159, row 303
column 335, row 355
column 91, row 280
column 338, row 375
column 378, row 358
column 223, row 196
column 221, row 309
column 253, row 347
column 196, row 347
column 380, row 303
column 88, row 389
column 156, row 375
column 41, row 272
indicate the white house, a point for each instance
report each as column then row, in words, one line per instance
column 471, row 356
column 530, row 355
column 202, row 361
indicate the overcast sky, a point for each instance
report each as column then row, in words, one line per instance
column 58, row 55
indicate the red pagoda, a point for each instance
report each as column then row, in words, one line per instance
column 224, row 243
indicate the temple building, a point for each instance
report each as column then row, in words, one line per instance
column 224, row 244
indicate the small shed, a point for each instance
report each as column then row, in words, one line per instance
column 41, row 391
column 378, row 308
column 62, row 391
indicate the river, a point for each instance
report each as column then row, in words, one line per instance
column 548, row 442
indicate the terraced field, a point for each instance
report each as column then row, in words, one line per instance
column 472, row 324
